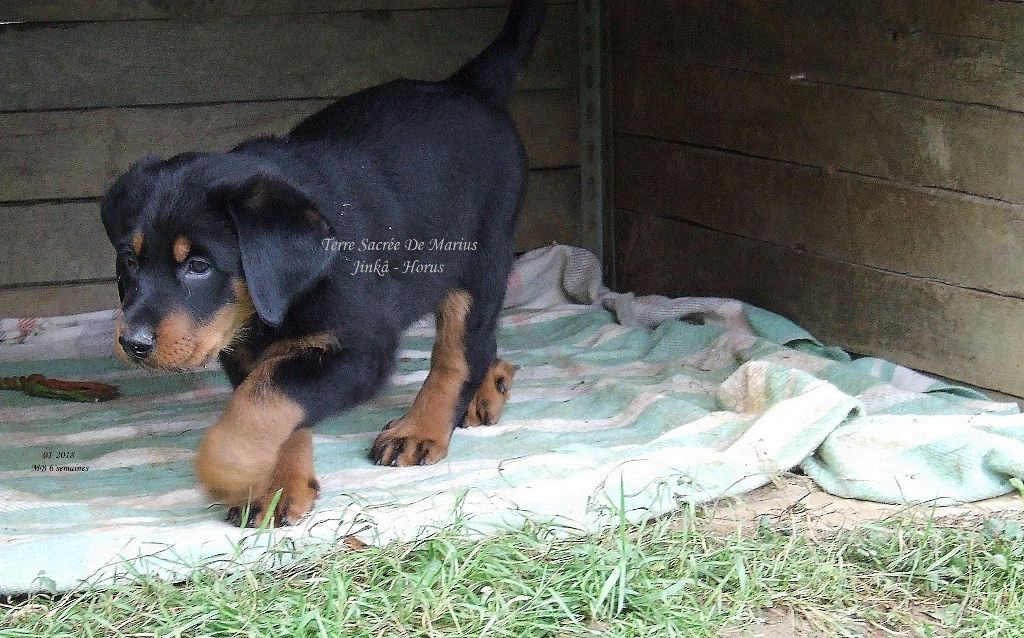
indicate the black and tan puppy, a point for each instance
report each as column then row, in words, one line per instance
column 299, row 261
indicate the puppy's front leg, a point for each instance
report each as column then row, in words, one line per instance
column 261, row 444
column 238, row 453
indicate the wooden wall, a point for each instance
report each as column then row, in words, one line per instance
column 857, row 166
column 88, row 86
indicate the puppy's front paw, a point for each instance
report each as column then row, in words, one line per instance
column 293, row 477
column 487, row 404
column 404, row 442
column 295, row 503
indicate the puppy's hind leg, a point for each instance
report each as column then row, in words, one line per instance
column 421, row 436
column 486, row 372
column 486, row 390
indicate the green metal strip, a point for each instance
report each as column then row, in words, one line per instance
column 595, row 229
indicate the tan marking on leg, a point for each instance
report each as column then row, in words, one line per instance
column 263, row 457
column 422, row 435
column 487, row 404
column 238, row 454
column 137, row 241
column 352, row 542
column 287, row 348
column 284, row 349
column 181, row 248
column 294, row 475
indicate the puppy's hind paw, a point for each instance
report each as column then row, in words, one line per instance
column 487, row 404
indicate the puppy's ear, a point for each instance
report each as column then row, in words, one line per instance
column 280, row 235
column 126, row 197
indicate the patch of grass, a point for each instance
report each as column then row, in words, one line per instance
column 676, row 576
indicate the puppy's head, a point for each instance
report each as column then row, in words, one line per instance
column 206, row 245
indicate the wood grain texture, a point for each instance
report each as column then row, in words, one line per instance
column 99, row 64
column 84, row 100
column 55, row 300
column 902, row 139
column 998, row 20
column 53, row 242
column 962, row 334
column 551, row 210
column 57, row 155
column 949, row 50
column 940, row 235
column 65, row 242
column 98, row 10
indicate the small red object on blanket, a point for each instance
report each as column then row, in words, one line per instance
column 36, row 385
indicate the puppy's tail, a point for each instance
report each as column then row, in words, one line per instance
column 492, row 75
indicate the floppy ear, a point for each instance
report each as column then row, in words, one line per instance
column 126, row 196
column 280, row 235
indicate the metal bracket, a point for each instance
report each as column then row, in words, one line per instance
column 596, row 228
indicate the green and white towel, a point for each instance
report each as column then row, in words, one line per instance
column 643, row 401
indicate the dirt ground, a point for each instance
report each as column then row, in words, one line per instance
column 796, row 502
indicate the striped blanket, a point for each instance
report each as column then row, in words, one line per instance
column 621, row 401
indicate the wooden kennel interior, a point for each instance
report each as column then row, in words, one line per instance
column 855, row 166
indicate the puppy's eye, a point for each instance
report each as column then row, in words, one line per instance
column 198, row 267
column 130, row 261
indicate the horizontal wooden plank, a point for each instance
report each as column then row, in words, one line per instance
column 97, row 64
column 877, row 44
column 64, row 242
column 55, row 300
column 958, row 333
column 942, row 235
column 907, row 140
column 58, row 154
column 53, row 242
column 97, row 10
column 998, row 20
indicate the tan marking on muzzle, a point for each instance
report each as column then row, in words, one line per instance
column 181, row 343
column 118, row 348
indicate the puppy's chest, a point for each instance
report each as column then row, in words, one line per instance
column 239, row 360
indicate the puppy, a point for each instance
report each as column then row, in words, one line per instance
column 299, row 260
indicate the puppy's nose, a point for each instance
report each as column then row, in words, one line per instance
column 137, row 343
